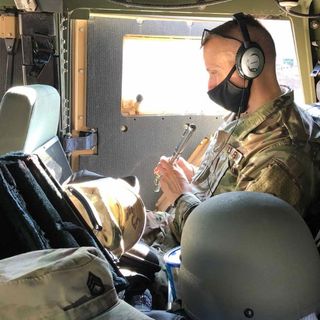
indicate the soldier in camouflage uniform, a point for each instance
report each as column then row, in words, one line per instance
column 268, row 144
column 272, row 150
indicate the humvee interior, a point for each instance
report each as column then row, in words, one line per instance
column 104, row 88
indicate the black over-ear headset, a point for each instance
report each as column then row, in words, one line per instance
column 249, row 57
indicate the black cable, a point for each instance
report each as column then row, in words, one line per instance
column 227, row 140
column 199, row 3
column 297, row 14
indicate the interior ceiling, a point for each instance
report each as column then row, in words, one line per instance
column 190, row 7
column 169, row 3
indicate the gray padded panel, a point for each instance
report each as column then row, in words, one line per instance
column 136, row 151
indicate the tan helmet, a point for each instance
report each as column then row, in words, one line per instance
column 248, row 255
column 112, row 208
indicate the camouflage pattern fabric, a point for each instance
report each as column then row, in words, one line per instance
column 116, row 205
column 61, row 284
column 273, row 150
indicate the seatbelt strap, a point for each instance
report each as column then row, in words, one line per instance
column 11, row 50
column 8, row 31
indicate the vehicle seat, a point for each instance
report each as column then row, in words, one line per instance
column 29, row 117
column 312, row 219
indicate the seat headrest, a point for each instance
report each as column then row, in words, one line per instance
column 29, row 117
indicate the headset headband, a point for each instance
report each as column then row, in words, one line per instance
column 249, row 57
column 239, row 17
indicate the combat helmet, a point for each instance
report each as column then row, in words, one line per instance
column 248, row 255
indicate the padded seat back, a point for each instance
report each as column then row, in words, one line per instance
column 29, row 117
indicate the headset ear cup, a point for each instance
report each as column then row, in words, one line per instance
column 239, row 56
column 250, row 61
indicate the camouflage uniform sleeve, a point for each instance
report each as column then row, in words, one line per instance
column 183, row 207
column 277, row 179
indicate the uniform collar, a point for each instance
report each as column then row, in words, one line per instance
column 248, row 122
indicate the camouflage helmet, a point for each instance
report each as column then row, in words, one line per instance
column 120, row 214
column 248, row 255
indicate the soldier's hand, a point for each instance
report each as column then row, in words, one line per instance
column 173, row 180
column 187, row 168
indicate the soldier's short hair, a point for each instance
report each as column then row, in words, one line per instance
column 257, row 32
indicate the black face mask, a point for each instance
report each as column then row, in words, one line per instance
column 229, row 96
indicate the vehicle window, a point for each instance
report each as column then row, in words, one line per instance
column 165, row 75
column 287, row 64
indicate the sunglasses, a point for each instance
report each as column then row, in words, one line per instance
column 205, row 36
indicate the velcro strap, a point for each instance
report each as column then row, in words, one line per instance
column 87, row 142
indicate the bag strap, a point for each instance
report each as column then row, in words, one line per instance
column 94, row 219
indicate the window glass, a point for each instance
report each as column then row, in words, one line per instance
column 287, row 64
column 165, row 75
